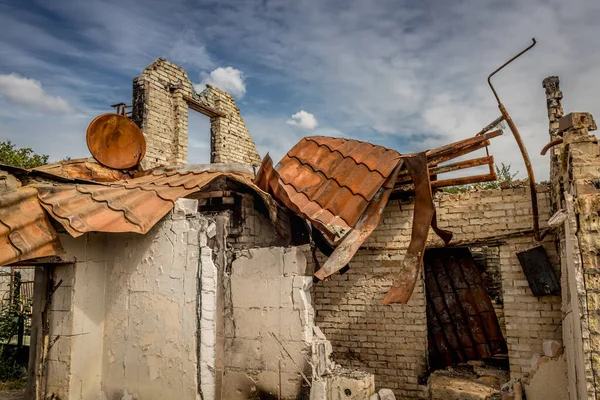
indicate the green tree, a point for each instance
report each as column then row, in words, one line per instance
column 22, row 158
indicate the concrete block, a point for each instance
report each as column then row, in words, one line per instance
column 386, row 394
column 294, row 262
column 577, row 120
column 212, row 230
column 258, row 264
column 548, row 381
column 318, row 390
column 255, row 323
column 353, row 385
column 552, row 348
column 255, row 292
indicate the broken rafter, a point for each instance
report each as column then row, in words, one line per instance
column 467, row 180
column 202, row 108
column 455, row 150
column 454, row 167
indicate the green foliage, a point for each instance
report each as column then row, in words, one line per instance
column 12, row 315
column 506, row 179
column 22, row 158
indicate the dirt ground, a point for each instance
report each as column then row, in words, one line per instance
column 12, row 395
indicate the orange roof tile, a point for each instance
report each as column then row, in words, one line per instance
column 133, row 205
column 83, row 168
column 25, row 230
column 331, row 181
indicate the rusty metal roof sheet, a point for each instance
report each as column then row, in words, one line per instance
column 130, row 205
column 462, row 322
column 331, row 180
column 85, row 169
column 25, row 230
column 133, row 205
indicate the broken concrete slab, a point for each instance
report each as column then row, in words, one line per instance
column 386, row 394
column 512, row 390
column 548, row 380
column 444, row 387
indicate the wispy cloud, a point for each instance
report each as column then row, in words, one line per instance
column 228, row 79
column 407, row 75
column 29, row 93
column 304, row 120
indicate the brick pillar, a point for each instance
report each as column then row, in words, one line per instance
column 230, row 139
column 161, row 112
column 579, row 169
column 555, row 111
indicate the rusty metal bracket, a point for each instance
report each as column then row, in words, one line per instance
column 423, row 214
column 539, row 235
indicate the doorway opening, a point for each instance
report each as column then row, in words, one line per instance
column 462, row 320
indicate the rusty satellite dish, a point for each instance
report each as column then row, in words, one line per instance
column 115, row 141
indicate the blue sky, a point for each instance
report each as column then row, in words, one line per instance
column 409, row 75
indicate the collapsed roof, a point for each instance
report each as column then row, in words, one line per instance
column 340, row 186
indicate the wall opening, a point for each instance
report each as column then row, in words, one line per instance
column 464, row 299
column 198, row 138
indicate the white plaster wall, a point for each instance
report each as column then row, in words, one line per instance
column 150, row 330
column 74, row 368
column 268, row 338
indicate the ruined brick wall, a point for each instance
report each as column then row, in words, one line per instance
column 230, row 140
column 161, row 112
column 579, row 168
column 391, row 341
column 160, row 109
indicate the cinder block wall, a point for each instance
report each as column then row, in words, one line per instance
column 391, row 341
column 77, row 320
column 269, row 332
column 124, row 321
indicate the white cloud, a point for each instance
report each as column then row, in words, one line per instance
column 29, row 93
column 304, row 120
column 228, row 79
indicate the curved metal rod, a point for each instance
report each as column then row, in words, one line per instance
column 532, row 186
column 551, row 145
column 504, row 65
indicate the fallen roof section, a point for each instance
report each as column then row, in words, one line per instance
column 329, row 181
column 341, row 186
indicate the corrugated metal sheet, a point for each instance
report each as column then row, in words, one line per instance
column 83, row 168
column 462, row 322
column 331, row 181
column 25, row 230
column 133, row 205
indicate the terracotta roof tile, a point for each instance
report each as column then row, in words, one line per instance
column 25, row 230
column 132, row 205
column 83, row 168
column 331, row 181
